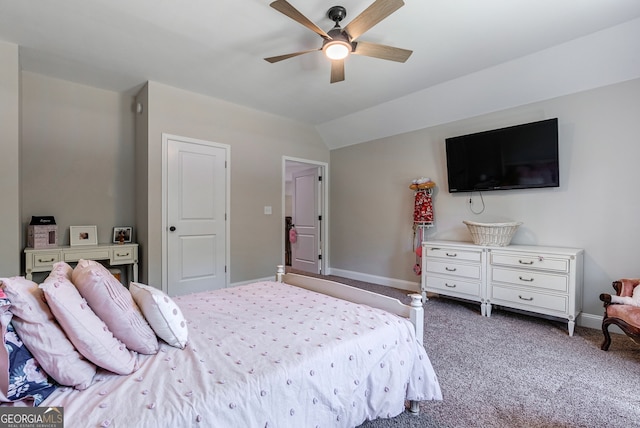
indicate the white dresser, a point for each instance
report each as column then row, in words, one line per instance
column 540, row 280
column 42, row 260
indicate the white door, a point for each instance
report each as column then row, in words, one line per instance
column 196, row 211
column 305, row 252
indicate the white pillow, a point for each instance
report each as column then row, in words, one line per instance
column 112, row 302
column 162, row 313
column 88, row 333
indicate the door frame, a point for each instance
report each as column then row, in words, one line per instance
column 324, row 210
column 165, row 196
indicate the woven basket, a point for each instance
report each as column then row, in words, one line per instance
column 493, row 234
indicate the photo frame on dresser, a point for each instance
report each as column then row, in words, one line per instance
column 122, row 234
column 83, row 235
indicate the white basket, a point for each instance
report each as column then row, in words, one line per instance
column 493, row 234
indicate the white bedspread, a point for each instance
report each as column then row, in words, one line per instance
column 265, row 355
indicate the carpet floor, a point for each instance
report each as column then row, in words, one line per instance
column 517, row 370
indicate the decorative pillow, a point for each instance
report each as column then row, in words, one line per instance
column 61, row 269
column 112, row 302
column 21, row 378
column 162, row 313
column 43, row 336
column 85, row 330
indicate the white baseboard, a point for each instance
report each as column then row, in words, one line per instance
column 389, row 282
column 595, row 322
column 251, row 281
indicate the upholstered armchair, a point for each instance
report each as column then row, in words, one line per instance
column 624, row 315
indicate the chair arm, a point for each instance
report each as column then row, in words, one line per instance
column 624, row 287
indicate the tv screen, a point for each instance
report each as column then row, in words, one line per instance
column 516, row 157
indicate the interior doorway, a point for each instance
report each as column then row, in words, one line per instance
column 305, row 209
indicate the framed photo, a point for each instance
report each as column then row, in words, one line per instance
column 83, row 235
column 122, row 234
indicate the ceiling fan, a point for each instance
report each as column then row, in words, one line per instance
column 339, row 42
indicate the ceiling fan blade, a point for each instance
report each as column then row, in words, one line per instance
column 337, row 70
column 375, row 13
column 382, row 51
column 273, row 59
column 285, row 8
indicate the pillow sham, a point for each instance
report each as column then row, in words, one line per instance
column 88, row 333
column 162, row 313
column 112, row 302
column 21, row 378
column 43, row 336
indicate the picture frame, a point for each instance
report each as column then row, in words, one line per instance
column 83, row 235
column 122, row 234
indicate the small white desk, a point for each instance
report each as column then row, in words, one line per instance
column 42, row 260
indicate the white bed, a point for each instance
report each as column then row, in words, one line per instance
column 270, row 354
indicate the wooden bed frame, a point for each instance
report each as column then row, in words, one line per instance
column 413, row 312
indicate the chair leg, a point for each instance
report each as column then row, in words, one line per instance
column 607, row 337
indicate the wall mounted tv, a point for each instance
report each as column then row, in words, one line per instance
column 517, row 157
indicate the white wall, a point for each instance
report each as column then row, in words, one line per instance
column 595, row 208
column 10, row 231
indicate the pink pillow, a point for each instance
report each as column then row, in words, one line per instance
column 112, row 302
column 85, row 330
column 43, row 336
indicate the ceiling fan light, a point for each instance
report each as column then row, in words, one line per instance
column 336, row 50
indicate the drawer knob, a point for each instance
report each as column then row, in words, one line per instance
column 448, row 269
column 525, row 279
column 525, row 262
column 122, row 255
column 528, row 299
column 446, row 284
column 46, row 261
column 452, row 254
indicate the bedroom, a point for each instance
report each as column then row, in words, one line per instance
column 59, row 130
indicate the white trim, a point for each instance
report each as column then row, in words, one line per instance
column 227, row 149
column 595, row 322
column 389, row 282
column 324, row 172
column 251, row 281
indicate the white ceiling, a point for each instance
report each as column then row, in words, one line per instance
column 216, row 47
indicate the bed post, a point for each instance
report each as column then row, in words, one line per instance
column 279, row 273
column 417, row 316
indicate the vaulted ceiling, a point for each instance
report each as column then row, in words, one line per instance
column 216, row 47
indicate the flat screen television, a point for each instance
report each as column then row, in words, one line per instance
column 517, row 157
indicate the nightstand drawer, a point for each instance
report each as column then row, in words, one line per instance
column 457, row 269
column 93, row 254
column 122, row 255
column 522, row 298
column 531, row 279
column 45, row 259
column 530, row 261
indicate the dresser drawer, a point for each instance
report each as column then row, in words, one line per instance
column 457, row 269
column 454, row 254
column 122, row 255
column 449, row 285
column 45, row 259
column 530, row 261
column 531, row 299
column 531, row 279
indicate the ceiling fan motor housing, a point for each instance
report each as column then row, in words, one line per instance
column 337, row 14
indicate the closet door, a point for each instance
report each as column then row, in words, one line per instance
column 305, row 252
column 196, row 216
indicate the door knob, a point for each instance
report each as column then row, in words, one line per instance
column 172, row 229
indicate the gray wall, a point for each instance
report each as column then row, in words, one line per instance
column 10, row 231
column 77, row 156
column 258, row 142
column 595, row 208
